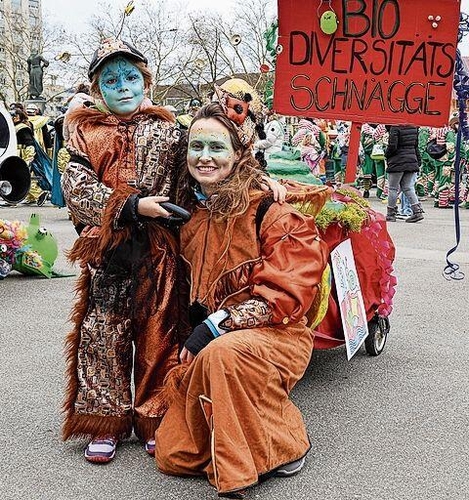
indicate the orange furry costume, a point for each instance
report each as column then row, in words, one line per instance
column 127, row 293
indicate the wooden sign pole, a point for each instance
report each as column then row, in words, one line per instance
column 352, row 156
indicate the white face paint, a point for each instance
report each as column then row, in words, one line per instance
column 210, row 154
column 122, row 86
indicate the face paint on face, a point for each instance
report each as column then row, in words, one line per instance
column 210, row 154
column 121, row 85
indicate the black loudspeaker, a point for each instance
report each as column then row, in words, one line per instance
column 15, row 179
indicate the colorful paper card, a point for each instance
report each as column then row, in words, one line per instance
column 349, row 296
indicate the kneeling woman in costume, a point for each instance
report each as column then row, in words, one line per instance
column 230, row 416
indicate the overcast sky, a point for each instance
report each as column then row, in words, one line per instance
column 74, row 14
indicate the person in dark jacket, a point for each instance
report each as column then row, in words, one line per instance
column 403, row 160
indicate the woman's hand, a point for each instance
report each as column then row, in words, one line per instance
column 186, row 357
column 279, row 192
column 150, row 206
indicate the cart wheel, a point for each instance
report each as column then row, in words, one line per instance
column 378, row 329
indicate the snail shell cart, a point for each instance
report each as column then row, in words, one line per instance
column 348, row 216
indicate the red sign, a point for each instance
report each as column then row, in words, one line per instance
column 376, row 61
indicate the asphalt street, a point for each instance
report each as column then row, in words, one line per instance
column 392, row 427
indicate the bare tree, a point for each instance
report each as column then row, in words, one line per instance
column 154, row 29
column 228, row 45
column 253, row 20
column 158, row 32
column 213, row 55
column 189, row 51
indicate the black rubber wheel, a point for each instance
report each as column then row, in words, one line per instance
column 378, row 329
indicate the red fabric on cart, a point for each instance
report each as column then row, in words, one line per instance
column 374, row 254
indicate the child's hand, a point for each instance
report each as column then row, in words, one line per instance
column 150, row 206
column 279, row 192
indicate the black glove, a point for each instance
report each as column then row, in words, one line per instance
column 197, row 314
column 129, row 212
column 178, row 217
column 200, row 337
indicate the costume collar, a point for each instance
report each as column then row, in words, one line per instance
column 201, row 197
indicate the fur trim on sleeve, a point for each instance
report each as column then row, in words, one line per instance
column 94, row 242
column 308, row 199
column 111, row 234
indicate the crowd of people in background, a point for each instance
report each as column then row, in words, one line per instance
column 321, row 144
column 35, row 140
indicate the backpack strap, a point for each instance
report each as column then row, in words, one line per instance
column 262, row 208
column 79, row 159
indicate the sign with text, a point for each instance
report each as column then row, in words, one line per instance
column 376, row 61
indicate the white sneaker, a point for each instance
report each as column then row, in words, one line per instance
column 101, row 450
column 42, row 198
column 150, row 447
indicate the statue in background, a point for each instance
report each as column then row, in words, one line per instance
column 36, row 65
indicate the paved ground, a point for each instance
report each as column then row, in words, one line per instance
column 395, row 427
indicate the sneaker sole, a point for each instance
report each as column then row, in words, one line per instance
column 240, row 494
column 41, row 200
column 99, row 459
column 287, row 473
column 414, row 220
column 150, row 451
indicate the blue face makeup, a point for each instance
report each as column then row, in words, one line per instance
column 121, row 85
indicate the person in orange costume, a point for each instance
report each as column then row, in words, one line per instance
column 128, row 316
column 255, row 269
